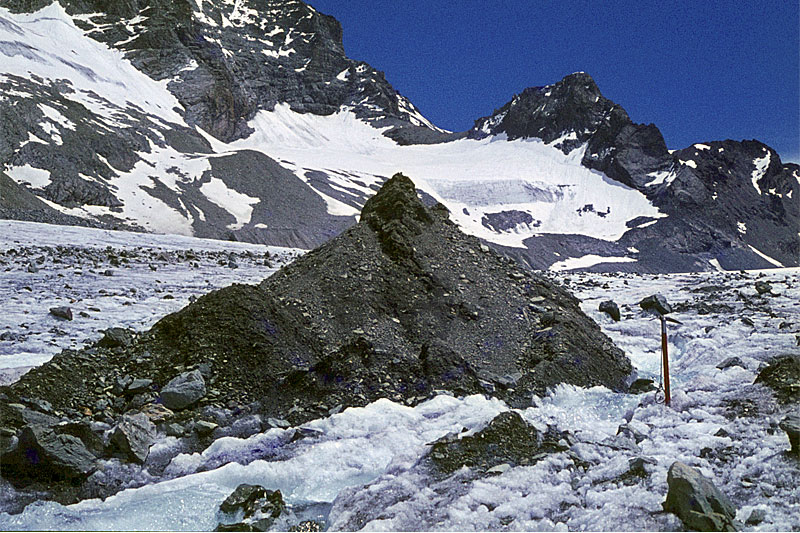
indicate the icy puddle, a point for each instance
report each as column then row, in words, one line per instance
column 361, row 469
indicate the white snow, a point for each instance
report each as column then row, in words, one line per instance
column 587, row 261
column 486, row 176
column 343, row 75
column 741, row 227
column 767, row 258
column 702, row 146
column 48, row 44
column 661, row 176
column 760, row 169
column 56, row 116
column 688, row 163
column 238, row 204
column 36, row 177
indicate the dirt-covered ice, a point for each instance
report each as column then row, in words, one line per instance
column 361, row 469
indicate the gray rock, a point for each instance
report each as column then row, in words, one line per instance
column 657, row 303
column 611, row 308
column 184, row 390
column 116, row 338
column 63, row 312
column 791, row 425
column 138, row 386
column 204, row 427
column 174, row 430
column 729, row 362
column 642, row 385
column 257, row 506
column 44, row 454
column 133, row 436
column 697, row 502
column 756, row 517
column 763, row 287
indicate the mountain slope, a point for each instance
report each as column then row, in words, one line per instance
column 247, row 121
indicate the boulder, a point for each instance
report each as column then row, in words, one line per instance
column 183, row 390
column 507, row 440
column 729, row 362
column 763, row 287
column 133, row 436
column 255, row 507
column 63, row 312
column 43, row 454
column 138, row 386
column 657, row 303
column 791, row 425
column 698, row 503
column 611, row 308
column 782, row 375
column 642, row 385
column 116, row 338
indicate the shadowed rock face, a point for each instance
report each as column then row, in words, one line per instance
column 399, row 306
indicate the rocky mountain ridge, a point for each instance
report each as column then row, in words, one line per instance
column 195, row 132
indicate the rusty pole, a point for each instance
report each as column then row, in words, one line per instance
column 665, row 358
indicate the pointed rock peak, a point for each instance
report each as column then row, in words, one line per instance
column 578, row 80
column 397, row 215
column 396, row 201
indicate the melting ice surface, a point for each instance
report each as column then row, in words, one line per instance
column 363, row 471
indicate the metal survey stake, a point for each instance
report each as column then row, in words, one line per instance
column 665, row 358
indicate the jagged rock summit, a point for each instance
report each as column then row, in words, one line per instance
column 734, row 204
column 402, row 306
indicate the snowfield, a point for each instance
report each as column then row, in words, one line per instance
column 45, row 266
column 360, row 469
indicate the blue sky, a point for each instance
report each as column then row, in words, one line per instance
column 700, row 71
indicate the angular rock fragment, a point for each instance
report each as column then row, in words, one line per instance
column 133, row 436
column 697, row 502
column 763, row 287
column 657, row 303
column 257, row 507
column 507, row 440
column 43, row 454
column 184, row 390
column 782, row 375
column 791, row 425
column 116, row 338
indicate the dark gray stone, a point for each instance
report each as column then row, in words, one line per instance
column 116, row 338
column 43, row 454
column 697, row 502
column 756, row 517
column 763, row 287
column 642, row 385
column 791, row 425
column 611, row 308
column 184, row 390
column 63, row 312
column 657, row 303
